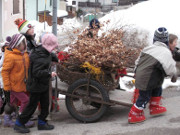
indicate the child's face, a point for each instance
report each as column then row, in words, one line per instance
column 30, row 31
column 22, row 46
column 173, row 44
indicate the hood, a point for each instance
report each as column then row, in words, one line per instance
column 41, row 51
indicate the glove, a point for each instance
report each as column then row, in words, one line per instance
column 174, row 79
column 7, row 96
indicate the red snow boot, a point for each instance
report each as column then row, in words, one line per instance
column 136, row 115
column 155, row 106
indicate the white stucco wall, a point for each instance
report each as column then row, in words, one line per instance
column 1, row 20
column 8, row 18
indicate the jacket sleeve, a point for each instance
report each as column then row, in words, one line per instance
column 169, row 65
column 176, row 54
column 38, row 70
column 6, row 70
column 136, row 62
column 54, row 57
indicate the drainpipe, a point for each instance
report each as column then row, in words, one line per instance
column 54, row 27
column 36, row 10
column 23, row 9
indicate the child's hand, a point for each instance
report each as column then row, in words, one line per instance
column 174, row 79
column 53, row 74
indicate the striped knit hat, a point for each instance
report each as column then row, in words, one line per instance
column 23, row 25
column 15, row 40
column 161, row 35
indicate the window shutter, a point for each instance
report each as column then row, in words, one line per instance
column 15, row 6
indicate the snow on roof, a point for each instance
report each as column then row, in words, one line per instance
column 60, row 13
column 69, row 2
column 88, row 14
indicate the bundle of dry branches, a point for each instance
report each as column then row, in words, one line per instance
column 106, row 52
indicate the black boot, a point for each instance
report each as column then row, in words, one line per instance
column 20, row 128
column 45, row 127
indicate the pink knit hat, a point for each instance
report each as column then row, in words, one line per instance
column 49, row 42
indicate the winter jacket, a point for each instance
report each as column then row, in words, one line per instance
column 15, row 70
column 176, row 54
column 31, row 43
column 153, row 65
column 40, row 69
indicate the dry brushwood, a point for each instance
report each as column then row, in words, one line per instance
column 106, row 52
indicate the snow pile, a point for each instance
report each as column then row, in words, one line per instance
column 167, row 83
column 68, row 25
column 60, row 13
column 146, row 16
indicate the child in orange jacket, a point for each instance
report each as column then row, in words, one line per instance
column 15, row 73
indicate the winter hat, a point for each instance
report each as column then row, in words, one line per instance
column 15, row 40
column 23, row 25
column 161, row 35
column 49, row 42
column 94, row 21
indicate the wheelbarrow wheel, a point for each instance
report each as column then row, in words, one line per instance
column 81, row 108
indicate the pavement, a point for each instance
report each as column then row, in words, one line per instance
column 114, row 121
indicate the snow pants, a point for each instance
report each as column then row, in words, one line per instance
column 145, row 96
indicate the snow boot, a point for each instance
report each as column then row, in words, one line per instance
column 155, row 106
column 136, row 115
column 20, row 128
column 43, row 125
column 8, row 121
column 30, row 124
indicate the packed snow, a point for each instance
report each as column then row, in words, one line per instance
column 147, row 16
column 60, row 13
column 68, row 25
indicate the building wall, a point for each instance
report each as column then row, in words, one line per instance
column 1, row 20
column 31, row 10
column 62, row 5
column 8, row 26
column 103, row 2
column 106, row 2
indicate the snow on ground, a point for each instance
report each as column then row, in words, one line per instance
column 147, row 16
column 68, row 25
column 126, row 83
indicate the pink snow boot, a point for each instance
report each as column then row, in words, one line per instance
column 155, row 106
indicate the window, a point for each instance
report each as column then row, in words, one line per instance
column 15, row 6
column 114, row 1
column 73, row 2
column 50, row 2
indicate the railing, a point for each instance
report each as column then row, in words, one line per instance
column 89, row 4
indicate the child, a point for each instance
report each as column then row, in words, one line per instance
column 93, row 24
column 2, row 96
column 153, row 65
column 27, row 29
column 2, row 58
column 38, row 84
column 14, row 74
column 175, row 51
